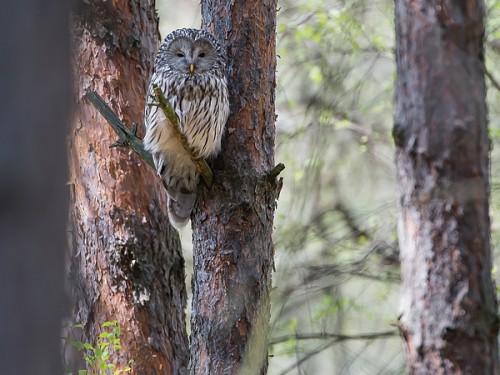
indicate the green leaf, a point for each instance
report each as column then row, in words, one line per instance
column 89, row 360
column 103, row 345
column 315, row 74
column 293, row 324
column 98, row 352
column 105, row 354
column 78, row 345
column 378, row 42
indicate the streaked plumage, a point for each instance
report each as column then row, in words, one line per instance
column 190, row 70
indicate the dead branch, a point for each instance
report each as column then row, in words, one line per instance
column 172, row 118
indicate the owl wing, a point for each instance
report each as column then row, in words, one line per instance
column 160, row 139
column 172, row 162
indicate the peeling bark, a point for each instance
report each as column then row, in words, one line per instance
column 232, row 225
column 126, row 260
column 449, row 311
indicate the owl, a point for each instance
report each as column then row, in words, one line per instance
column 190, row 70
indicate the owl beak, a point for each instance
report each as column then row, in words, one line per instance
column 191, row 68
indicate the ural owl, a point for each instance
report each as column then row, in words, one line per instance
column 190, row 70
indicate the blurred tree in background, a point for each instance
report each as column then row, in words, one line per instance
column 339, row 218
column 33, row 201
column 449, row 319
column 337, row 257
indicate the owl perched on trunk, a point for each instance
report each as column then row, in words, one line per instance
column 190, row 70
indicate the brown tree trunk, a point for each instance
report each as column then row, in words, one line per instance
column 126, row 261
column 449, row 310
column 34, row 108
column 233, row 249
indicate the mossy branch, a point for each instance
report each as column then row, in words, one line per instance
column 274, row 173
column 128, row 138
column 201, row 164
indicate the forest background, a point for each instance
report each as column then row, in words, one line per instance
column 336, row 287
column 337, row 256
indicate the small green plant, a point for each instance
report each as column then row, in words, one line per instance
column 99, row 356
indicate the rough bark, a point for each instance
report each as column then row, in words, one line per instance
column 126, row 261
column 449, row 310
column 33, row 194
column 233, row 249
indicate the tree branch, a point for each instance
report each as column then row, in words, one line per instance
column 127, row 137
column 494, row 82
column 274, row 173
column 167, row 109
column 336, row 337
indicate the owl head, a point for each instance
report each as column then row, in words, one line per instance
column 190, row 52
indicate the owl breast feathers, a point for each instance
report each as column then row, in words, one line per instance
column 190, row 70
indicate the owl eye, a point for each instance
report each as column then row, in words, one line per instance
column 201, row 54
column 180, row 54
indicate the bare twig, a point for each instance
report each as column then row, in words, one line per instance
column 494, row 82
column 201, row 164
column 336, row 337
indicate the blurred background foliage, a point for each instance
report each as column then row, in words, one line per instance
column 337, row 259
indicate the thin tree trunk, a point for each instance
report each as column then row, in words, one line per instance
column 126, row 261
column 34, row 109
column 449, row 310
column 233, row 249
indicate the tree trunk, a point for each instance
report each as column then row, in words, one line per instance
column 34, row 109
column 126, row 260
column 232, row 227
column 449, row 310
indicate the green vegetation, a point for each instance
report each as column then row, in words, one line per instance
column 100, row 358
column 337, row 253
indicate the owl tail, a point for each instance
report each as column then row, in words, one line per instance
column 180, row 210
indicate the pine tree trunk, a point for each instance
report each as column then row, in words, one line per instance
column 126, row 260
column 449, row 310
column 233, row 249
